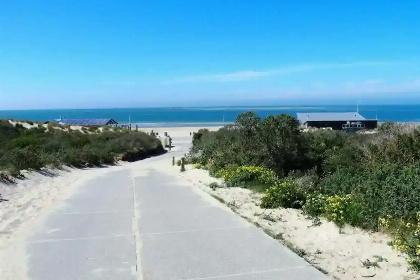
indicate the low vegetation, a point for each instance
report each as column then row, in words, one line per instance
column 37, row 147
column 367, row 180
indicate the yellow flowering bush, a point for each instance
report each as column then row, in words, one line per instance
column 247, row 173
column 197, row 166
column 285, row 195
column 315, row 204
column 342, row 209
column 226, row 173
column 406, row 238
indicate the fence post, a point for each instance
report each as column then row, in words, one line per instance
column 182, row 164
column 173, row 161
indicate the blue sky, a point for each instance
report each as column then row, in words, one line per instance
column 91, row 53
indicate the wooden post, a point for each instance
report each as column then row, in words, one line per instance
column 182, row 164
column 173, row 161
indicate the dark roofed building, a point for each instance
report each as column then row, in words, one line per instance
column 337, row 121
column 87, row 122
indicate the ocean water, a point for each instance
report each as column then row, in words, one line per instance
column 211, row 116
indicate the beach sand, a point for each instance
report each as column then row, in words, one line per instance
column 177, row 131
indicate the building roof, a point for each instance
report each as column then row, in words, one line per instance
column 348, row 116
column 86, row 121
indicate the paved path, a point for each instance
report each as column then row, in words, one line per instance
column 145, row 224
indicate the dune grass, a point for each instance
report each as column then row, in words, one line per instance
column 35, row 148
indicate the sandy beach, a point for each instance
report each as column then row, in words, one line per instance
column 177, row 131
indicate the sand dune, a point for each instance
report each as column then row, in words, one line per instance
column 340, row 254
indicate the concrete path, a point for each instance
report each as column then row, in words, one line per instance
column 90, row 236
column 142, row 223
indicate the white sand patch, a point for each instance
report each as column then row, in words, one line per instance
column 77, row 127
column 24, row 124
column 341, row 255
column 176, row 131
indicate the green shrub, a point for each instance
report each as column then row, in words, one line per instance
column 35, row 148
column 25, row 141
column 252, row 177
column 266, row 176
column 93, row 128
column 226, row 173
column 197, row 166
column 406, row 237
column 342, row 181
column 214, row 185
column 342, row 210
column 386, row 189
column 178, row 162
column 388, row 127
column 349, row 178
column 274, row 143
column 247, row 174
column 315, row 204
column 72, row 157
column 283, row 195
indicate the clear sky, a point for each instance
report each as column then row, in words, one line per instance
column 136, row 53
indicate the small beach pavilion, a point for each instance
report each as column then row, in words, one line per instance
column 336, row 121
column 88, row 122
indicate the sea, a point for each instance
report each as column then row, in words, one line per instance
column 210, row 116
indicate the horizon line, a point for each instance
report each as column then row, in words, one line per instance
column 302, row 105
